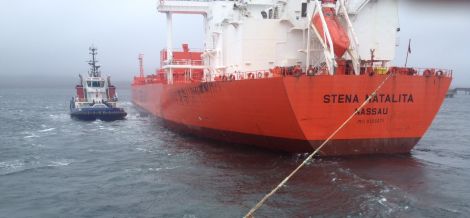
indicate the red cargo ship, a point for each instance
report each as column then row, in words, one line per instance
column 292, row 107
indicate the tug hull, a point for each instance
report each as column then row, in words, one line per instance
column 104, row 114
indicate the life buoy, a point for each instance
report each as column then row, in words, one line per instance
column 297, row 71
column 310, row 71
column 272, row 70
column 427, row 72
column 410, row 72
column 260, row 75
column 439, row 73
column 266, row 74
column 232, row 77
column 251, row 76
column 276, row 71
column 224, row 78
column 323, row 70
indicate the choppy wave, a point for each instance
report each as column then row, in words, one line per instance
column 47, row 130
column 375, row 196
column 32, row 135
column 151, row 171
column 59, row 163
column 13, row 164
column 18, row 166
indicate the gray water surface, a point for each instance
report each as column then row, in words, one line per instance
column 53, row 166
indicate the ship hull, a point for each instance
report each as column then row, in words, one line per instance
column 104, row 114
column 296, row 114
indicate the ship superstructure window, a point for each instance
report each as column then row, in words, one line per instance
column 304, row 9
column 264, row 14
column 271, row 13
column 276, row 13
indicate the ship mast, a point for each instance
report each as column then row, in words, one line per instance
column 141, row 64
column 94, row 71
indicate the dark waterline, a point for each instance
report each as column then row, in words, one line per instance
column 52, row 166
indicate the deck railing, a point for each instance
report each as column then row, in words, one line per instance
column 186, row 62
column 266, row 74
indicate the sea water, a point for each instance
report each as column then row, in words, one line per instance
column 53, row 166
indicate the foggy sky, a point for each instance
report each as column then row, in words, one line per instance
column 48, row 40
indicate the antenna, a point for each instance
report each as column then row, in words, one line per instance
column 94, row 67
column 141, row 63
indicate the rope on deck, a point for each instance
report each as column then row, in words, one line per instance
column 261, row 202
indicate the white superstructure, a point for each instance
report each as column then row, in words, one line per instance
column 94, row 90
column 243, row 36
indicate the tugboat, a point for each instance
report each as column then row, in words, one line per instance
column 96, row 97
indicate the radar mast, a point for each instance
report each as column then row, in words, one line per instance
column 94, row 71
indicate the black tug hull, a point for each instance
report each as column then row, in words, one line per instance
column 98, row 115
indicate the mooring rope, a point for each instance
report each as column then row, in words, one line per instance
column 261, row 202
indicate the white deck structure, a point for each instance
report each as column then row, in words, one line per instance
column 243, row 36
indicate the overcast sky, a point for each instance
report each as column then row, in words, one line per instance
column 42, row 39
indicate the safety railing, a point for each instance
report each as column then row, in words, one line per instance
column 238, row 75
column 412, row 71
column 186, row 62
column 181, row 50
column 285, row 72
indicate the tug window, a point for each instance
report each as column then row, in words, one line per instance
column 95, row 84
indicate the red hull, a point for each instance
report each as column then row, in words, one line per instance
column 296, row 114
